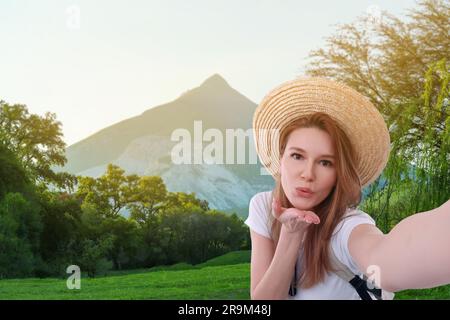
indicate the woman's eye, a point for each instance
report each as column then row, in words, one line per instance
column 327, row 163
column 294, row 156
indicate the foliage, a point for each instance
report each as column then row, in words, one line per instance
column 108, row 194
column 92, row 259
column 418, row 172
column 386, row 59
column 46, row 233
column 13, row 177
column 147, row 199
column 36, row 142
column 20, row 228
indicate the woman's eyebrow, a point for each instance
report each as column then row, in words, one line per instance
column 322, row 156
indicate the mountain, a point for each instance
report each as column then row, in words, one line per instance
column 143, row 145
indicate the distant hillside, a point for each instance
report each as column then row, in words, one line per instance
column 142, row 145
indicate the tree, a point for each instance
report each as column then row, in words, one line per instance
column 183, row 200
column 13, row 177
column 92, row 259
column 125, row 240
column 109, row 193
column 20, row 228
column 147, row 198
column 386, row 60
column 61, row 234
column 36, row 141
column 418, row 170
column 193, row 235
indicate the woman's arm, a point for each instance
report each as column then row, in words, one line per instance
column 414, row 254
column 272, row 269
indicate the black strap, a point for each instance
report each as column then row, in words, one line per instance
column 361, row 287
column 293, row 286
column 359, row 284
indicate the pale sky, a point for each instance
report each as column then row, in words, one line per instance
column 95, row 63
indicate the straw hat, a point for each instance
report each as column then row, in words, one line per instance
column 353, row 112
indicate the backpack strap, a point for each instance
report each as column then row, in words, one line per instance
column 293, row 285
column 359, row 284
column 346, row 274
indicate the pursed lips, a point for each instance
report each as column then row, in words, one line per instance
column 306, row 190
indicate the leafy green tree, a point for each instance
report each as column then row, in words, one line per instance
column 147, row 198
column 20, row 228
column 93, row 257
column 36, row 141
column 386, row 59
column 125, row 241
column 183, row 200
column 61, row 234
column 224, row 233
column 192, row 235
column 418, row 170
column 108, row 194
column 12, row 176
column 175, row 225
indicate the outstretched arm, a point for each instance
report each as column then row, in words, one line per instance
column 414, row 254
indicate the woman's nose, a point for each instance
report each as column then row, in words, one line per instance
column 307, row 171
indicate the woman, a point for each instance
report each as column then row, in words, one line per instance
column 323, row 142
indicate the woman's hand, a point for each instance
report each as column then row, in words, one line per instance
column 293, row 219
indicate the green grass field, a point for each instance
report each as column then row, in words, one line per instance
column 226, row 277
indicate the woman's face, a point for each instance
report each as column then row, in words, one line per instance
column 306, row 163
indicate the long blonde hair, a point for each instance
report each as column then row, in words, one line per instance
column 345, row 194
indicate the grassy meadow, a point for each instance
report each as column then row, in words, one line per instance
column 226, row 277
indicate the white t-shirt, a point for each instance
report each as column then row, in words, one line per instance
column 333, row 287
